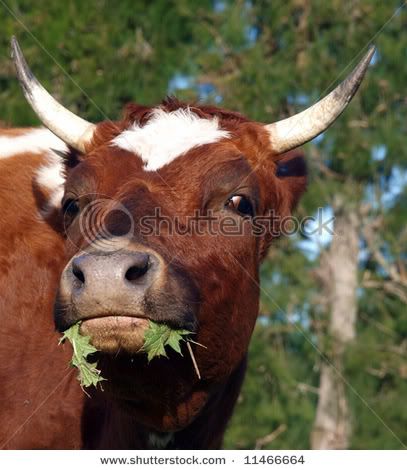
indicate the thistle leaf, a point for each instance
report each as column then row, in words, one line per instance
column 88, row 373
column 154, row 340
column 174, row 341
column 158, row 336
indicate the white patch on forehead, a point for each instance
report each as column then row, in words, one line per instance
column 50, row 175
column 168, row 135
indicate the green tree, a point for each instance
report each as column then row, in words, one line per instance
column 269, row 60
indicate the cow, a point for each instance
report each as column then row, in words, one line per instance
column 75, row 247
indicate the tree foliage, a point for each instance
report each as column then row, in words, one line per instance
column 268, row 60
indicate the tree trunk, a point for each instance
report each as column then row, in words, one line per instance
column 338, row 276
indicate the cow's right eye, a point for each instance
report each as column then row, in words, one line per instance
column 71, row 207
column 240, row 204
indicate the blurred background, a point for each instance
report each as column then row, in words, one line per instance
column 328, row 360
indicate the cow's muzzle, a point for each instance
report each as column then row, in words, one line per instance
column 115, row 294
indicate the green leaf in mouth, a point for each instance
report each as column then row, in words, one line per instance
column 158, row 336
column 88, row 373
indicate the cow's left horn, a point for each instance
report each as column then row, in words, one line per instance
column 72, row 129
column 302, row 127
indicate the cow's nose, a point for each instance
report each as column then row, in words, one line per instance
column 99, row 284
column 128, row 268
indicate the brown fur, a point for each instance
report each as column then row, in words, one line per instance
column 32, row 364
column 164, row 395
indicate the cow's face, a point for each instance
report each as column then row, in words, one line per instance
column 120, row 274
column 156, row 235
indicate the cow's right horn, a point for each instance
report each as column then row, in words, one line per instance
column 66, row 125
column 302, row 127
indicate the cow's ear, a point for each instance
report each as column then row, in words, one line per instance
column 70, row 158
column 292, row 173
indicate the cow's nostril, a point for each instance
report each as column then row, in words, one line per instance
column 138, row 268
column 78, row 273
column 135, row 273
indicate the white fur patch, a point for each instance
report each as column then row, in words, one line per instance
column 159, row 441
column 50, row 175
column 169, row 135
column 34, row 141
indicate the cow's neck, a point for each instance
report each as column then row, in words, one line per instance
column 123, row 430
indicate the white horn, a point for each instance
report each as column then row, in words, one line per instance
column 302, row 127
column 72, row 129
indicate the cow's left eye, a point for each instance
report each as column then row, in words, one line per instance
column 241, row 204
column 71, row 207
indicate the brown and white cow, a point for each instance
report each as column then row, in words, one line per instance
column 60, row 264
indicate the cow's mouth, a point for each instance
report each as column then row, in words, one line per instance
column 116, row 294
column 115, row 333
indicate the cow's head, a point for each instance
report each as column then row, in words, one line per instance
column 167, row 215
